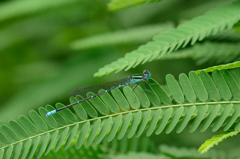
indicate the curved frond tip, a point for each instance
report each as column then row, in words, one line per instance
column 215, row 140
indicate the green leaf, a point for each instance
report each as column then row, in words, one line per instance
column 125, row 125
column 38, row 121
column 152, row 97
column 43, row 146
column 1, row 153
column 63, row 135
column 93, row 132
column 222, row 85
column 212, row 115
column 66, row 113
column 163, row 122
column 18, row 129
column 9, row 151
column 71, row 135
column 142, row 97
column 174, row 120
column 199, row 118
column 115, row 126
column 222, row 118
column 233, row 118
column 152, row 125
column 34, row 147
column 198, row 86
column 54, row 136
column 54, row 120
column 99, row 105
column 131, row 97
column 187, row 88
column 186, row 119
column 237, row 127
column 9, row 132
column 104, row 130
column 17, row 150
column 175, row 89
column 145, row 118
column 118, row 4
column 210, row 86
column 25, row 8
column 215, row 140
column 222, row 67
column 120, row 99
column 26, row 147
column 82, row 135
column 88, row 107
column 78, row 108
column 134, row 125
column 121, row 36
column 162, row 95
column 110, row 103
column 4, row 139
column 233, row 86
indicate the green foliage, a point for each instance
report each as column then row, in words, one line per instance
column 84, row 152
column 200, row 98
column 183, row 152
column 225, row 36
column 215, row 140
column 119, row 4
column 126, row 36
column 49, row 48
column 208, row 52
column 25, row 8
column 222, row 67
column 190, row 32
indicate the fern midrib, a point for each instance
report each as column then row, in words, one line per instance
column 169, row 46
column 123, row 113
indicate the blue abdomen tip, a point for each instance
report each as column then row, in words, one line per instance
column 50, row 113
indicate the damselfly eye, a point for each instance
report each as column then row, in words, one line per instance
column 146, row 72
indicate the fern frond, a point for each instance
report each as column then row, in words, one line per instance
column 126, row 145
column 221, row 67
column 183, row 152
column 139, row 155
column 215, row 140
column 90, row 152
column 208, row 52
column 12, row 9
column 229, row 35
column 120, row 4
column 196, row 29
column 200, row 8
column 130, row 35
column 204, row 99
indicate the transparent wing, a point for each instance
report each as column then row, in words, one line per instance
column 95, row 88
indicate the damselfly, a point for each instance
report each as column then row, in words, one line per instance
column 132, row 79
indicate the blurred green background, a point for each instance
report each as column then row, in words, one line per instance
column 39, row 66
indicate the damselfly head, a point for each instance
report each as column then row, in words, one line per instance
column 147, row 74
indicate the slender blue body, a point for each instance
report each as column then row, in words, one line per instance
column 133, row 79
